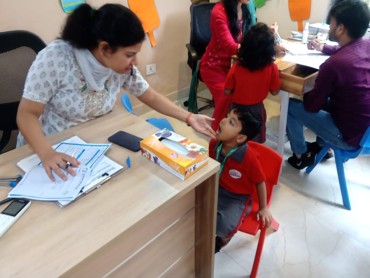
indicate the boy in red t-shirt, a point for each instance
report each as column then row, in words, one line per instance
column 255, row 74
column 240, row 171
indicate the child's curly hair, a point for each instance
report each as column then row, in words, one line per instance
column 257, row 48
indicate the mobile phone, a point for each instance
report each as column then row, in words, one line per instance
column 11, row 214
column 126, row 140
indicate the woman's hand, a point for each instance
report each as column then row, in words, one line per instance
column 59, row 163
column 264, row 215
column 200, row 123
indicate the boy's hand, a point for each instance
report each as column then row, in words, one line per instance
column 264, row 215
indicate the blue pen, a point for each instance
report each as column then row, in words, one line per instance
column 12, row 181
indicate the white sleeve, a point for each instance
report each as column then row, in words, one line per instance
column 135, row 83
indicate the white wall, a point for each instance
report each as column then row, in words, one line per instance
column 277, row 10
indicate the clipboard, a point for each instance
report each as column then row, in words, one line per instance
column 110, row 168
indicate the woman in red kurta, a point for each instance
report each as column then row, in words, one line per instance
column 229, row 19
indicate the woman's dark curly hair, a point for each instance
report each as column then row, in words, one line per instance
column 232, row 14
column 113, row 23
column 257, row 48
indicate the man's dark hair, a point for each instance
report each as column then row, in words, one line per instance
column 251, row 126
column 354, row 15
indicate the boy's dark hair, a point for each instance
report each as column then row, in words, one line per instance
column 257, row 48
column 354, row 15
column 251, row 126
column 232, row 14
column 113, row 23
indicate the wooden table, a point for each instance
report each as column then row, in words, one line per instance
column 295, row 79
column 144, row 222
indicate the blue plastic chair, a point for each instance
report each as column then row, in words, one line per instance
column 342, row 156
column 160, row 123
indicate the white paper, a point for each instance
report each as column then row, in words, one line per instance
column 313, row 61
column 36, row 185
column 102, row 169
column 87, row 154
column 298, row 48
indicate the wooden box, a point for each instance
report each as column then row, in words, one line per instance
column 298, row 79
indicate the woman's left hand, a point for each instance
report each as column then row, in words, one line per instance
column 201, row 124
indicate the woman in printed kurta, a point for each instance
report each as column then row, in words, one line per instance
column 78, row 77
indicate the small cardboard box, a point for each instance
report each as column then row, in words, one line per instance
column 174, row 153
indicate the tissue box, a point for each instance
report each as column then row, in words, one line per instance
column 174, row 153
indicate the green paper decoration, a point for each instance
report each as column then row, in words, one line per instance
column 260, row 3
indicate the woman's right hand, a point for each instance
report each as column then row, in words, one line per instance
column 58, row 163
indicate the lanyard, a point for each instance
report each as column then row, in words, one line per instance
column 218, row 152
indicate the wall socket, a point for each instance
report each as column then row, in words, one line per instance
column 151, row 69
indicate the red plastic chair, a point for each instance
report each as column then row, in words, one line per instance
column 271, row 163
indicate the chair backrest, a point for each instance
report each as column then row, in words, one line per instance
column 271, row 164
column 200, row 31
column 365, row 142
column 18, row 49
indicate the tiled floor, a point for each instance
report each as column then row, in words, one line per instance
column 317, row 236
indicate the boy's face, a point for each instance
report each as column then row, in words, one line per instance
column 229, row 129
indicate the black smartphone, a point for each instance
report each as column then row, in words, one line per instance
column 126, row 140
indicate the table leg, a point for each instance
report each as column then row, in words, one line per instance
column 284, row 103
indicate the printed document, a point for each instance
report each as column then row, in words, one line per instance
column 36, row 185
column 95, row 168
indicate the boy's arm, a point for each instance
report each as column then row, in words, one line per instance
column 264, row 213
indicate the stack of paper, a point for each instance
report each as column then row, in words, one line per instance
column 298, row 53
column 95, row 168
column 297, row 48
column 36, row 185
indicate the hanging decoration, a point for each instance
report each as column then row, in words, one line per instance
column 148, row 14
column 69, row 6
column 299, row 10
column 259, row 3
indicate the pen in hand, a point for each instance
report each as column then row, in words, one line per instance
column 68, row 164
